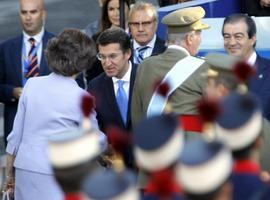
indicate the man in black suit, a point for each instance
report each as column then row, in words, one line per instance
column 239, row 34
column 14, row 55
column 115, row 83
column 143, row 20
column 256, row 7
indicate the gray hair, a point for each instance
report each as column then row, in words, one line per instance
column 141, row 5
column 176, row 38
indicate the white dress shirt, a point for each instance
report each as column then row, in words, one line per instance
column 126, row 79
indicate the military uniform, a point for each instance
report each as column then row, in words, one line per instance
column 155, row 68
column 183, row 99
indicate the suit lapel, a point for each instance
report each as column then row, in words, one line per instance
column 159, row 47
column 17, row 59
column 44, row 70
column 255, row 84
column 131, row 84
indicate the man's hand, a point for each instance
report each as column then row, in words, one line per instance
column 17, row 92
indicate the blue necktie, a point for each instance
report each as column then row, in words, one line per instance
column 122, row 100
column 140, row 54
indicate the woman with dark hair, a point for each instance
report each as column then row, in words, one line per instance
column 48, row 105
column 110, row 17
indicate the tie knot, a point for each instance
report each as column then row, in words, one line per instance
column 32, row 41
column 120, row 83
column 142, row 49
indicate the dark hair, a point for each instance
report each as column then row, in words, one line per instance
column 163, row 3
column 115, row 35
column 241, row 17
column 105, row 22
column 70, row 52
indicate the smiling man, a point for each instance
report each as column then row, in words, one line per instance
column 239, row 35
column 143, row 19
column 22, row 57
column 113, row 88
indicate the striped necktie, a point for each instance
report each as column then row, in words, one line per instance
column 122, row 100
column 140, row 54
column 32, row 69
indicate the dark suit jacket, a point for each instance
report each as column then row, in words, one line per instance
column 159, row 47
column 253, row 8
column 11, row 74
column 106, row 106
column 260, row 84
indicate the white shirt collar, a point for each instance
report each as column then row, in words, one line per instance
column 37, row 37
column 151, row 44
column 252, row 59
column 173, row 46
column 126, row 77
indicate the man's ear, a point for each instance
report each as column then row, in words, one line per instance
column 128, row 53
column 253, row 39
column 189, row 39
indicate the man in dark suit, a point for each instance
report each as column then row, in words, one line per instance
column 143, row 20
column 239, row 33
column 256, row 7
column 115, row 84
column 14, row 56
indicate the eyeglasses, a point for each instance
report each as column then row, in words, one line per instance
column 143, row 24
column 112, row 56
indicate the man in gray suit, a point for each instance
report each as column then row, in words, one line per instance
column 184, row 37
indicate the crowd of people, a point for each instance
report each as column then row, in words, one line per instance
column 112, row 112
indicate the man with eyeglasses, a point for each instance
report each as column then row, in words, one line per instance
column 143, row 19
column 113, row 88
column 239, row 36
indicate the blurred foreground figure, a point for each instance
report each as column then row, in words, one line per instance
column 73, row 155
column 204, row 170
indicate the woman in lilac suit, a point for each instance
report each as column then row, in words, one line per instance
column 48, row 105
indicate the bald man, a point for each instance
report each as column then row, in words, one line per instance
column 19, row 54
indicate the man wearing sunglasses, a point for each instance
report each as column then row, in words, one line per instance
column 143, row 19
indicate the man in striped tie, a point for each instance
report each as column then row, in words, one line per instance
column 32, row 68
column 143, row 19
column 22, row 57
